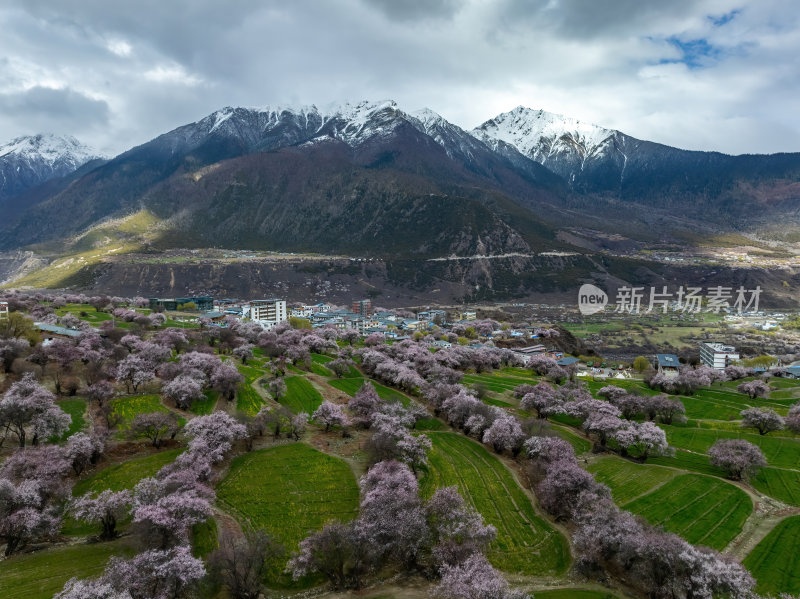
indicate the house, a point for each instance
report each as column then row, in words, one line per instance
column 222, row 305
column 667, row 364
column 717, row 355
column 52, row 331
column 469, row 316
column 3, row 309
column 442, row 344
column 437, row 316
column 793, row 372
column 567, row 361
column 214, row 316
column 203, row 303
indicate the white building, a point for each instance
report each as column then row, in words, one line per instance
column 267, row 312
column 3, row 309
column 302, row 311
column 717, row 355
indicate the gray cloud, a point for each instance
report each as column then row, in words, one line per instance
column 411, row 10
column 44, row 108
column 677, row 72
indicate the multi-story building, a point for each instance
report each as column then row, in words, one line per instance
column 202, row 303
column 437, row 316
column 267, row 312
column 469, row 315
column 717, row 355
column 3, row 309
column 362, row 307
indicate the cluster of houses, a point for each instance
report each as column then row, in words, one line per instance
column 360, row 317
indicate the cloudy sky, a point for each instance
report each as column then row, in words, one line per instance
column 700, row 74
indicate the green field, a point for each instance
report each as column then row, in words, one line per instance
column 288, row 491
column 249, row 373
column 579, row 444
column 703, row 510
column 783, row 485
column 204, row 538
column 628, row 480
column 206, row 405
column 42, row 574
column 525, row 543
column 782, row 452
column 248, row 399
column 129, row 407
column 320, row 369
column 352, row 385
column 773, row 562
column 125, row 475
column 712, row 409
column 76, row 408
column 301, row 396
column 686, row 460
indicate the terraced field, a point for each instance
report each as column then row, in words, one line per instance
column 288, row 491
column 42, row 574
column 128, row 407
column 300, row 395
column 773, row 562
column 352, row 385
column 125, row 475
column 76, row 408
column 712, row 409
column 525, row 543
column 248, row 399
column 782, row 452
column 250, row 373
column 783, row 485
column 205, row 405
column 703, row 510
column 628, row 480
column 579, row 444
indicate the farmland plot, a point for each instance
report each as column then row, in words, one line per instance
column 773, row 562
column 525, row 543
column 288, row 491
column 627, row 480
column 703, row 510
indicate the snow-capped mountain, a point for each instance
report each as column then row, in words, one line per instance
column 568, row 147
column 273, row 127
column 31, row 160
column 360, row 176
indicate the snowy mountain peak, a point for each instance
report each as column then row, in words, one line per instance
column 49, row 149
column 539, row 134
column 28, row 161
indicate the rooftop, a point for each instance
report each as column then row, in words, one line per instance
column 668, row 360
column 57, row 330
column 721, row 347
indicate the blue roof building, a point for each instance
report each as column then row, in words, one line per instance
column 567, row 361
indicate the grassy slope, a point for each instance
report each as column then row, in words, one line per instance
column 703, row 510
column 300, row 396
column 41, row 574
column 628, row 480
column 525, row 542
column 773, row 562
column 288, row 490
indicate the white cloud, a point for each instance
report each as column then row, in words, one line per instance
column 119, row 47
column 173, row 73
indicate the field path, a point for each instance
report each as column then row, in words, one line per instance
column 768, row 512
